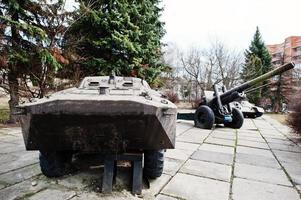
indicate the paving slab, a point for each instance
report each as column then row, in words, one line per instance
column 7, row 157
column 25, row 158
column 6, row 148
column 121, row 195
column 254, row 151
column 223, row 135
column 253, row 131
column 273, row 135
column 261, row 124
column 294, row 171
column 288, row 157
column 271, row 132
column 279, row 141
column 155, row 186
column 249, row 134
column 182, row 127
column 252, row 190
column 164, row 197
column 248, row 124
column 250, row 138
column 207, row 169
column 220, row 141
column 179, row 154
column 21, row 189
column 186, row 146
column 11, row 139
column 196, row 188
column 210, row 156
column 295, row 139
column 50, row 194
column 87, row 196
column 257, row 160
column 281, row 137
column 194, row 135
column 252, row 144
column 216, row 148
column 224, row 129
column 171, row 166
column 284, row 147
column 20, row 175
column 81, row 180
column 264, row 174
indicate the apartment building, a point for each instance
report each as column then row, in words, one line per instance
column 288, row 51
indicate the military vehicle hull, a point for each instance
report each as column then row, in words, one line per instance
column 98, row 123
column 105, row 115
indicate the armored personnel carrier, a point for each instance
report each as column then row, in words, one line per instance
column 104, row 114
column 248, row 109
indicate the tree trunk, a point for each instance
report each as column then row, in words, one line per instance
column 14, row 96
column 278, row 99
column 13, row 74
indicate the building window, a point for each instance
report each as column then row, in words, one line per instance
column 277, row 55
column 298, row 51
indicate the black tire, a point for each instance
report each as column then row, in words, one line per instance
column 204, row 117
column 237, row 119
column 153, row 163
column 55, row 164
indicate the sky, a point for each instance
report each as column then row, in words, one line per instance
column 197, row 22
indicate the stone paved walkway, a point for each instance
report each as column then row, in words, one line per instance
column 260, row 161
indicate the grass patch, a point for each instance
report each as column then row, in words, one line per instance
column 4, row 115
column 279, row 117
column 4, row 111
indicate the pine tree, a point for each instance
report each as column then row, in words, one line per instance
column 257, row 62
column 121, row 36
column 253, row 70
column 29, row 36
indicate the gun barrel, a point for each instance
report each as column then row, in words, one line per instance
column 259, row 79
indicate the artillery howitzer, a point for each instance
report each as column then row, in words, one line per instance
column 117, row 117
column 215, row 109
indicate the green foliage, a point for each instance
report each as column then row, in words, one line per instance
column 257, row 62
column 121, row 36
column 32, row 33
column 47, row 59
column 29, row 31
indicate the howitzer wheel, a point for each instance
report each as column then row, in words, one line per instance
column 204, row 117
column 237, row 119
